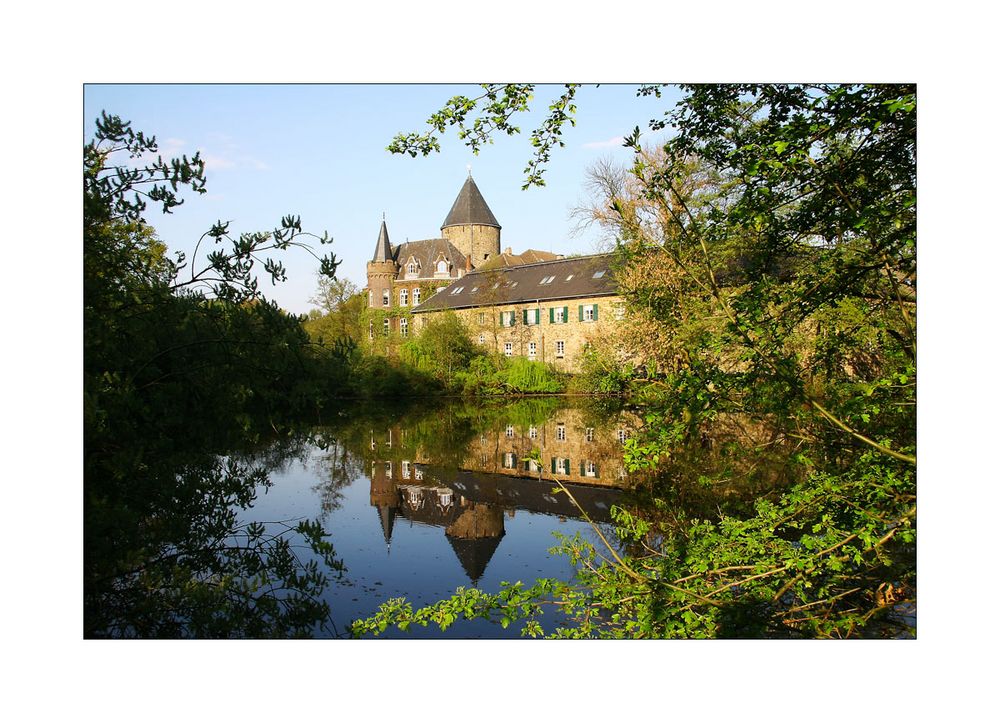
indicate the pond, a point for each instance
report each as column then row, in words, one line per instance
column 445, row 496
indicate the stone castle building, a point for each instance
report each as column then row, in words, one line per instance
column 535, row 304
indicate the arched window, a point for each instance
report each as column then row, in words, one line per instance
column 442, row 267
column 385, row 297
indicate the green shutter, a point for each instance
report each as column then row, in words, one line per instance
column 524, row 316
column 580, row 309
column 569, row 466
column 565, row 314
column 552, row 315
column 581, row 469
column 553, row 465
column 597, row 471
column 595, row 312
column 501, row 318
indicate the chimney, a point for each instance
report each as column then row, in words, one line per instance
column 508, row 251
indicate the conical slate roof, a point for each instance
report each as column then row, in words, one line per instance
column 470, row 207
column 387, row 516
column 474, row 555
column 383, row 249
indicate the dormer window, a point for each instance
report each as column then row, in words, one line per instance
column 411, row 268
column 442, row 267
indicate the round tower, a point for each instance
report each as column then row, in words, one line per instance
column 471, row 226
column 381, row 271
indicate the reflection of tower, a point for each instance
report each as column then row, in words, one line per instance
column 385, row 498
column 474, row 537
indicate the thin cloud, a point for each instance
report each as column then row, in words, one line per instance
column 615, row 142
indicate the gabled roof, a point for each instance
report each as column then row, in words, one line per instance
column 470, row 208
column 425, row 252
column 572, row 278
column 383, row 249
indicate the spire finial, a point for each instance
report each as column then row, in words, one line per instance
column 468, row 167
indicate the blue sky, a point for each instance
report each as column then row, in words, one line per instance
column 318, row 151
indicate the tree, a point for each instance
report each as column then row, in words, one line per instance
column 178, row 370
column 772, row 238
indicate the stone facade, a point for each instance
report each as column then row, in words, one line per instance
column 555, row 332
column 535, row 305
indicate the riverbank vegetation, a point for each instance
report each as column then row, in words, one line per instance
column 768, row 251
column 767, row 257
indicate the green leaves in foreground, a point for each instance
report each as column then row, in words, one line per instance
column 826, row 559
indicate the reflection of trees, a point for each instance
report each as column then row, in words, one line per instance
column 167, row 556
column 336, row 469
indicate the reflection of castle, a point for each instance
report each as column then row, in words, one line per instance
column 470, row 502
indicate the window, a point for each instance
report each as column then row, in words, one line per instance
column 418, row 474
column 474, row 289
column 510, row 431
column 588, row 312
column 482, row 338
column 532, row 349
column 590, row 469
column 385, row 297
column 411, row 268
column 388, row 469
column 570, row 277
column 416, row 296
column 508, row 460
column 547, row 280
column 560, row 349
column 531, row 317
column 404, row 297
column 560, row 465
column 622, row 436
column 561, row 432
column 442, row 267
column 600, row 273
column 618, row 309
column 558, row 315
column 371, row 298
column 508, row 349
column 406, row 470
column 589, row 434
column 533, row 432
column 507, row 318
column 404, row 327
column 371, row 330
column 482, row 318
column 385, row 327
column 457, row 290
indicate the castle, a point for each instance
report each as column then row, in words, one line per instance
column 535, row 304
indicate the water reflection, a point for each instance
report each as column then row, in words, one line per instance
column 491, row 473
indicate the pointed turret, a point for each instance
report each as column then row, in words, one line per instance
column 383, row 249
column 381, row 271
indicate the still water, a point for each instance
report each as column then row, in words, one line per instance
column 421, row 503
